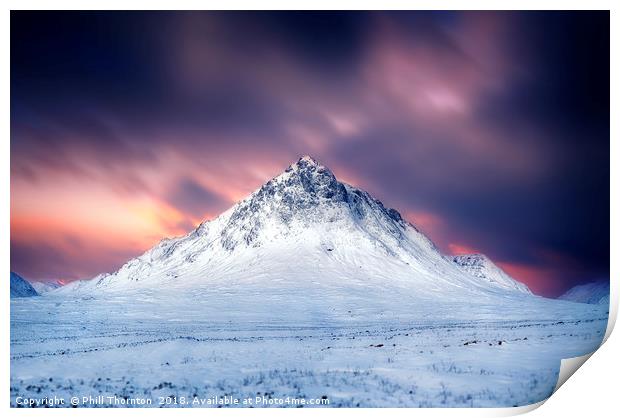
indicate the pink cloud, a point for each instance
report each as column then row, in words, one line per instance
column 461, row 249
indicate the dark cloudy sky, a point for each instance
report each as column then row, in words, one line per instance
column 490, row 131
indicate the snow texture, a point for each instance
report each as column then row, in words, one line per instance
column 20, row 288
column 308, row 288
column 43, row 287
column 301, row 229
column 479, row 265
column 594, row 293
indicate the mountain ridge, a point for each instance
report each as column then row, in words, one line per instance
column 481, row 266
column 596, row 293
column 20, row 287
column 302, row 224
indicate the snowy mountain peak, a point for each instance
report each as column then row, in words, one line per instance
column 313, row 177
column 305, row 195
column 306, row 166
column 303, row 228
column 480, row 266
column 306, row 161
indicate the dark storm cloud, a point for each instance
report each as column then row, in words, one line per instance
column 491, row 127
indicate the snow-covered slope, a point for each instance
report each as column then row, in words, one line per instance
column 44, row 287
column 20, row 288
column 306, row 233
column 593, row 293
column 479, row 265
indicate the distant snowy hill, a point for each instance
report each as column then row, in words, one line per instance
column 307, row 235
column 44, row 287
column 479, row 265
column 596, row 293
column 20, row 288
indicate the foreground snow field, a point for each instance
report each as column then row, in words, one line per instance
column 298, row 345
column 307, row 290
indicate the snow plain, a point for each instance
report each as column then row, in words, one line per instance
column 356, row 354
column 307, row 289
